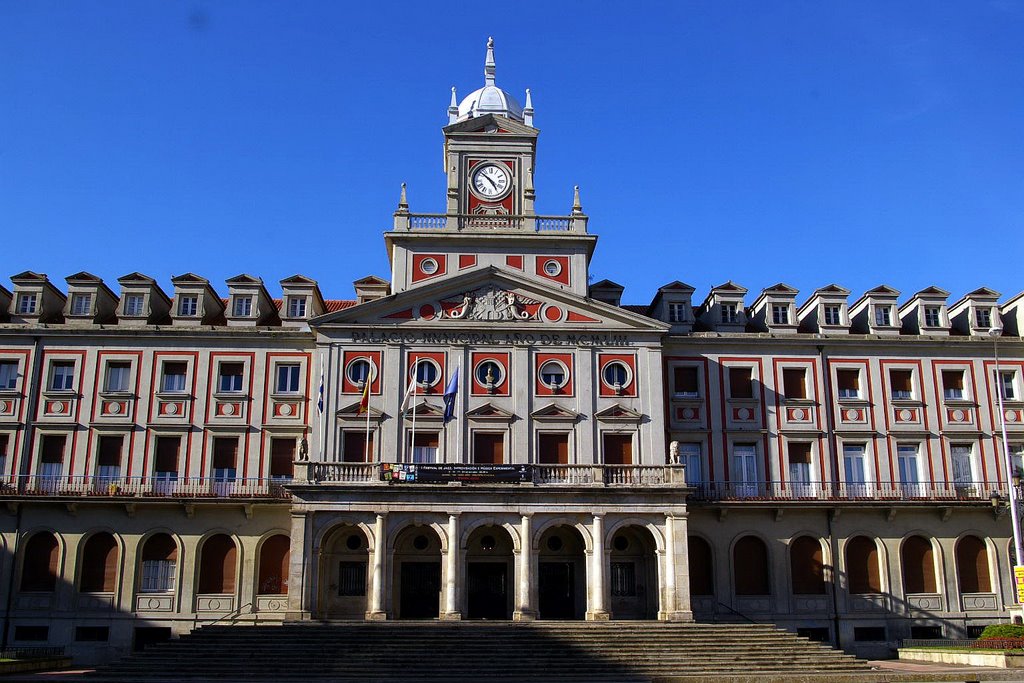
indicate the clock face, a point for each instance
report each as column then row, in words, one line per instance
column 491, row 181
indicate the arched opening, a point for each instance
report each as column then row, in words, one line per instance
column 272, row 577
column 99, row 564
column 159, row 564
column 862, row 572
column 917, row 558
column 633, row 574
column 702, row 568
column 972, row 565
column 417, row 574
column 750, row 566
column 217, row 562
column 344, row 579
column 806, row 566
column 39, row 569
column 561, row 574
column 489, row 574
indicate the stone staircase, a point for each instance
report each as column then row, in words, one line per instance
column 624, row 652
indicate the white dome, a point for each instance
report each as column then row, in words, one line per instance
column 490, row 99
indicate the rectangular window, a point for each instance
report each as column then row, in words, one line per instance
column 855, row 470
column 866, row 634
column 690, row 455
column 780, row 314
column 685, row 382
column 794, row 383
column 832, row 315
column 953, row 385
column 225, row 455
column 910, row 474
column 932, row 317
column 27, row 304
column 51, row 461
column 983, row 318
column 848, row 381
column 351, row 579
column 165, row 465
column 623, row 579
column 963, row 469
column 8, row 374
column 288, row 378
column 730, row 313
column 242, row 307
column 488, row 449
column 296, row 307
column 62, row 375
column 134, row 304
column 424, row 447
column 902, row 382
column 677, row 313
column 356, row 448
column 174, row 377
column 188, row 306
column 230, row 377
column 800, row 469
column 741, row 384
column 158, row 576
column 744, row 469
column 118, row 376
column 552, row 449
column 81, row 304
column 32, row 633
column 108, row 461
column 883, row 316
column 282, row 458
column 92, row 634
column 4, row 443
column 1007, row 385
column 1017, row 458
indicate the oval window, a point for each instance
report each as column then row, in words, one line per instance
column 552, row 268
column 360, row 371
column 426, row 371
column 554, row 374
column 428, row 266
column 489, row 373
column 616, row 375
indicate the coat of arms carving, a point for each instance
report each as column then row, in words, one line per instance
column 490, row 303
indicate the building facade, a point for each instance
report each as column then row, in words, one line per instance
column 488, row 435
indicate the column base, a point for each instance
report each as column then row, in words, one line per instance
column 598, row 615
column 524, row 615
column 376, row 616
column 450, row 616
column 678, row 615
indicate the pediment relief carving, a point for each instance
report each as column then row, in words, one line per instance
column 491, row 303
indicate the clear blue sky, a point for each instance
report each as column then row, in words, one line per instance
column 805, row 142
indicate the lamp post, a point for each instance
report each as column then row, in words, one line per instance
column 995, row 332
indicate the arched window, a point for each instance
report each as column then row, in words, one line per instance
column 39, row 570
column 99, row 564
column 862, row 566
column 972, row 565
column 159, row 564
column 217, row 565
column 702, row 573
column 808, row 571
column 750, row 564
column 918, row 565
column 273, row 573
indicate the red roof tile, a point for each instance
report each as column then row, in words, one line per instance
column 335, row 305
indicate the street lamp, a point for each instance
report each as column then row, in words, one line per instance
column 995, row 332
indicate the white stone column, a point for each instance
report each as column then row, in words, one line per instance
column 376, row 608
column 299, row 590
column 525, row 610
column 667, row 573
column 451, row 580
column 677, row 569
column 596, row 609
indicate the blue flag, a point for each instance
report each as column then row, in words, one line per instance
column 450, row 393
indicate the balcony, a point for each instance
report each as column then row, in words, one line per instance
column 144, row 488
column 636, row 476
column 440, row 222
column 827, row 491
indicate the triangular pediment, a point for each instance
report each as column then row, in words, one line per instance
column 932, row 292
column 351, row 412
column 244, row 279
column 489, row 411
column 833, row 289
column 29, row 276
column 138, row 277
column 730, row 286
column 780, row 288
column 882, row 290
column 554, row 412
column 425, row 410
column 618, row 413
column 189, row 278
column 676, row 286
column 495, row 299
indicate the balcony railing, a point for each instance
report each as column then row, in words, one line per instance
column 559, row 475
column 832, row 491
column 145, row 487
column 456, row 222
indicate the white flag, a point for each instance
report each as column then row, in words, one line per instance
column 409, row 393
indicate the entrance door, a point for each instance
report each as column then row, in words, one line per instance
column 556, row 590
column 488, row 590
column 488, row 449
column 421, row 590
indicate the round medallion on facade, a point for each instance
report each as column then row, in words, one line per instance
column 286, row 410
column 114, row 408
column 1011, row 416
column 798, row 414
column 228, row 409
column 491, row 181
column 58, row 407
column 214, row 604
column 906, row 415
column 428, row 311
column 4, row 406
column 959, row 415
column 552, row 314
column 171, row 409
column 743, row 413
column 688, row 414
column 851, row 415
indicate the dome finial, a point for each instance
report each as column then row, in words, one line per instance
column 528, row 109
column 577, row 208
column 489, row 63
column 453, row 108
column 403, row 203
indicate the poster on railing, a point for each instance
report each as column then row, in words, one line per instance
column 1018, row 579
column 416, row 473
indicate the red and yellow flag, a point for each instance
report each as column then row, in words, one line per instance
column 364, row 402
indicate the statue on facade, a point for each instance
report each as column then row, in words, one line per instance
column 303, row 449
column 673, row 452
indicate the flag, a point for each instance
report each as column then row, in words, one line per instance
column 320, row 392
column 364, row 402
column 450, row 394
column 410, row 392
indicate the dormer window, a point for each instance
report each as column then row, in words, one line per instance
column 780, row 314
column 677, row 313
column 81, row 304
column 883, row 316
column 983, row 318
column 730, row 313
column 296, row 307
column 188, row 306
column 932, row 316
column 27, row 304
column 832, row 314
column 242, row 307
column 134, row 304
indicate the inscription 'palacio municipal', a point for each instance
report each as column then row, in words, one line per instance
column 504, row 339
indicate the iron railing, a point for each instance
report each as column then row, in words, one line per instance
column 966, row 643
column 828, row 491
column 442, row 221
column 146, row 487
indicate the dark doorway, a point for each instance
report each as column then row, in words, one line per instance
column 488, row 590
column 488, row 449
column 556, row 590
column 150, row 635
column 421, row 590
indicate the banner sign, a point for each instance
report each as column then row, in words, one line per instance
column 1018, row 579
column 416, row 473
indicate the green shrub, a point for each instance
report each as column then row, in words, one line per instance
column 1001, row 631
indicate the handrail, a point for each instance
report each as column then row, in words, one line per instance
column 738, row 613
column 234, row 614
column 145, row 487
column 463, row 221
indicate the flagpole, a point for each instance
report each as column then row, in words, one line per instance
column 369, row 455
column 410, row 456
column 323, row 422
